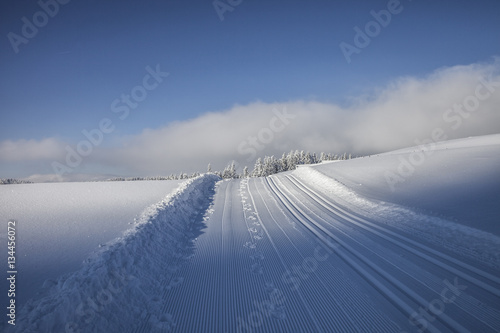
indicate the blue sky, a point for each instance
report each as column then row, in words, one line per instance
column 64, row 79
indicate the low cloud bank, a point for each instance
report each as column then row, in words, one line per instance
column 460, row 101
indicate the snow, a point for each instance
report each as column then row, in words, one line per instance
column 60, row 224
column 123, row 276
column 458, row 180
column 325, row 248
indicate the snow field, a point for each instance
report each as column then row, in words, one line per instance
column 60, row 224
column 118, row 287
column 324, row 248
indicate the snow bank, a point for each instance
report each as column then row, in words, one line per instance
column 118, row 287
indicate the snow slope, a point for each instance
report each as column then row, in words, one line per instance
column 303, row 251
column 458, row 179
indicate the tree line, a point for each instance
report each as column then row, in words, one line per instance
column 8, row 181
column 263, row 167
column 270, row 165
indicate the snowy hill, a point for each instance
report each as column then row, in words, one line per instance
column 336, row 247
column 458, row 179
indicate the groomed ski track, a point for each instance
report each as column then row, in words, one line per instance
column 277, row 255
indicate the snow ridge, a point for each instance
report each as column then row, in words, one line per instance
column 128, row 275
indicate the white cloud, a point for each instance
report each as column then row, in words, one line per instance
column 396, row 116
column 31, row 150
column 392, row 117
column 73, row 177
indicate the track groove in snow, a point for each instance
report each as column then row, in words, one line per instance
column 484, row 313
column 339, row 317
column 282, row 262
column 234, row 282
column 483, row 316
column 338, row 246
column 397, row 239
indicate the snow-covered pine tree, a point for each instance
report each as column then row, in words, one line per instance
column 225, row 173
column 283, row 164
column 268, row 168
column 232, row 170
column 302, row 157
column 292, row 160
column 308, row 158
column 257, row 170
column 314, row 158
column 246, row 173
